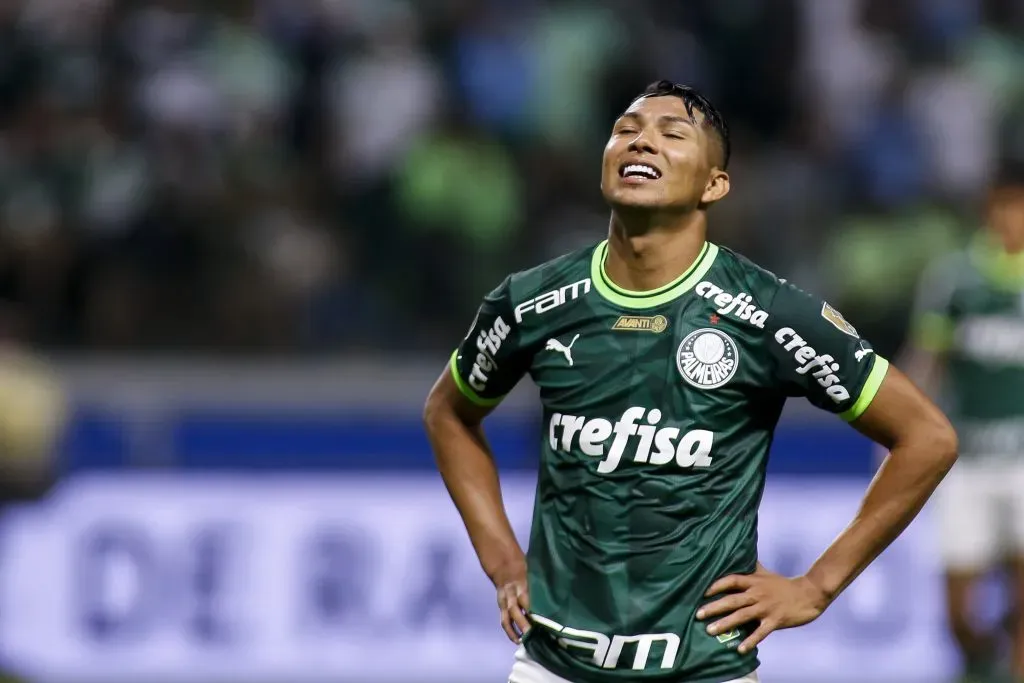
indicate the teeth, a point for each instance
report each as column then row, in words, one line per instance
column 640, row 169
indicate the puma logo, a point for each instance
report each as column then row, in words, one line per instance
column 861, row 354
column 555, row 345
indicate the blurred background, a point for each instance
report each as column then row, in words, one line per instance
column 238, row 239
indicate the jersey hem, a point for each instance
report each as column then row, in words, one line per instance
column 641, row 300
column 740, row 673
column 868, row 392
column 467, row 390
column 744, row 668
column 573, row 675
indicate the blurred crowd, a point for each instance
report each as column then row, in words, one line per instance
column 353, row 175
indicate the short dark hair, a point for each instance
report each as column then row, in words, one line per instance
column 693, row 100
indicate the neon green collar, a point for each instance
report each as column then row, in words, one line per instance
column 656, row 297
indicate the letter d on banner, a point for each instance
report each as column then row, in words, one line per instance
column 116, row 584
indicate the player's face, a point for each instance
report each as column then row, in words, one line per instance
column 659, row 158
column 1006, row 217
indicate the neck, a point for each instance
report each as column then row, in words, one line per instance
column 649, row 251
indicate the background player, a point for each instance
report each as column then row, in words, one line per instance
column 663, row 363
column 967, row 342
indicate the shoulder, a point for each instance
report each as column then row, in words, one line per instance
column 549, row 284
column 737, row 270
column 778, row 301
column 557, row 271
column 737, row 286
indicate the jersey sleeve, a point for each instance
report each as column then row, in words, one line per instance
column 931, row 319
column 490, row 361
column 820, row 356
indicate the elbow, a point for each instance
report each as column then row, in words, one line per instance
column 445, row 406
column 929, row 444
column 943, row 444
column 432, row 410
column 438, row 411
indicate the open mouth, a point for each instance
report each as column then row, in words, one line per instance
column 634, row 171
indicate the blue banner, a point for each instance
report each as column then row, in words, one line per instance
column 371, row 579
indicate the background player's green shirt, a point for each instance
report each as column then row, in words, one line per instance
column 659, row 410
column 970, row 308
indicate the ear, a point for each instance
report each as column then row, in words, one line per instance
column 716, row 187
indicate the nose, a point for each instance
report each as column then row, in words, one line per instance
column 643, row 143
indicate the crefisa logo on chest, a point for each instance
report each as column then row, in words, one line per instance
column 707, row 358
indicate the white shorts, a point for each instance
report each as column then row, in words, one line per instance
column 980, row 511
column 526, row 670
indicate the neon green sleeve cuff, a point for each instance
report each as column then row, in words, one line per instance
column 867, row 394
column 933, row 332
column 467, row 390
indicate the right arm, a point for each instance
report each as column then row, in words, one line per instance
column 464, row 458
column 483, row 369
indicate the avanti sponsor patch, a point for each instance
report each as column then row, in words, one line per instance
column 640, row 323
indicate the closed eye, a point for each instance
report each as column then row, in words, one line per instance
column 675, row 135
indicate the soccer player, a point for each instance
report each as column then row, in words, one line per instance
column 967, row 342
column 663, row 362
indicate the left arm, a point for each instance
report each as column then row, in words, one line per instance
column 885, row 406
column 922, row 448
column 917, row 442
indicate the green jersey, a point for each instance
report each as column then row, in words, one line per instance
column 970, row 308
column 659, row 410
